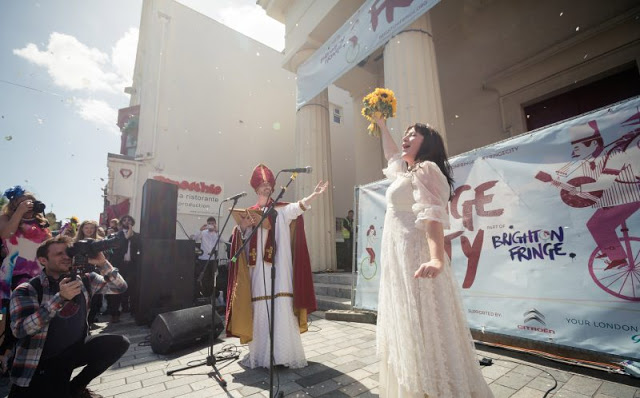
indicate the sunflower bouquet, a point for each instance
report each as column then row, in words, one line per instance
column 381, row 103
column 70, row 228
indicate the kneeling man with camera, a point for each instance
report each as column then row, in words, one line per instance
column 49, row 320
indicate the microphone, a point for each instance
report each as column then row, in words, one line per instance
column 235, row 197
column 307, row 169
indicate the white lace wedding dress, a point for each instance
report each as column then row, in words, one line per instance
column 423, row 340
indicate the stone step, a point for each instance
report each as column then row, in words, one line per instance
column 333, row 278
column 333, row 290
column 358, row 316
column 326, row 303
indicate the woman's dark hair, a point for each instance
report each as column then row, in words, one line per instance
column 432, row 149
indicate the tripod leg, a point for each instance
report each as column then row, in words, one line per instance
column 216, row 373
column 170, row 372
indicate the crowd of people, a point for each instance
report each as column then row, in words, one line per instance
column 48, row 311
column 48, row 306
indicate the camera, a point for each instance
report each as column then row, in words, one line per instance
column 83, row 250
column 38, row 207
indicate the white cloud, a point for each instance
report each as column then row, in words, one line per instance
column 75, row 66
column 98, row 112
column 244, row 16
column 71, row 64
column 123, row 55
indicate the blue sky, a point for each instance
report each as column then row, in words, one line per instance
column 63, row 68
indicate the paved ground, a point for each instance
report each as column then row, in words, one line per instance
column 342, row 363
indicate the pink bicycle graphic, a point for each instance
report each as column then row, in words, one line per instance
column 368, row 265
column 622, row 281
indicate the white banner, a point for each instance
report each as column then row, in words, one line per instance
column 195, row 196
column 545, row 233
column 371, row 210
column 375, row 22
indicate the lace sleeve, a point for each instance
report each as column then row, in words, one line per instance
column 431, row 194
column 395, row 167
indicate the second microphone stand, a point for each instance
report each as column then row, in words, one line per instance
column 266, row 214
column 211, row 359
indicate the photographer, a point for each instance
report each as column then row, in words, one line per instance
column 49, row 319
column 125, row 258
column 22, row 229
column 88, row 229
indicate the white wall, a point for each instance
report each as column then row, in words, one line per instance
column 342, row 151
column 122, row 179
column 224, row 104
column 215, row 103
column 300, row 20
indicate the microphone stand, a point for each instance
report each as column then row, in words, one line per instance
column 211, row 358
column 198, row 251
column 183, row 230
column 266, row 214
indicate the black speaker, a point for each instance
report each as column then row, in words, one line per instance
column 165, row 277
column 179, row 329
column 159, row 210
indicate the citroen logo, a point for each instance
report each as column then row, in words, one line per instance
column 534, row 315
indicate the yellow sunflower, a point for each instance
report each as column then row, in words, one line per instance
column 381, row 103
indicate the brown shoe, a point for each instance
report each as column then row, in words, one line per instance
column 115, row 318
column 86, row 393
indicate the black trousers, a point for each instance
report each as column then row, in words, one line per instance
column 96, row 304
column 207, row 280
column 128, row 272
column 199, row 267
column 53, row 375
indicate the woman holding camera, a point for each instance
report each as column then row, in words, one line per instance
column 22, row 229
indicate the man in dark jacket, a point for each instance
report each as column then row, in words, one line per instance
column 125, row 258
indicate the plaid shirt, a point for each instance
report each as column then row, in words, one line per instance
column 30, row 319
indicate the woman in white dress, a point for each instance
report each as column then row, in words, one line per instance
column 423, row 340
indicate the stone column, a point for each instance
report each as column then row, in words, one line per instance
column 410, row 70
column 313, row 148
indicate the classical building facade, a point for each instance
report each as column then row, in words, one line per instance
column 480, row 71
